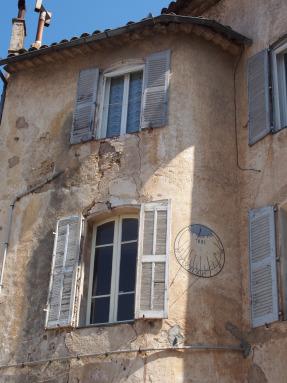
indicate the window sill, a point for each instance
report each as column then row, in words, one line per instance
column 100, row 325
column 105, row 139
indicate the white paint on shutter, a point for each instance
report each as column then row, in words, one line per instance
column 64, row 272
column 85, row 108
column 153, row 260
column 258, row 96
column 156, row 84
column 263, row 275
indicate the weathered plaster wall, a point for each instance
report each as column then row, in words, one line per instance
column 265, row 22
column 191, row 161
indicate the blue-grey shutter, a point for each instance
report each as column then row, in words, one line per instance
column 153, row 260
column 85, row 108
column 259, row 96
column 263, row 275
column 62, row 289
column 156, row 84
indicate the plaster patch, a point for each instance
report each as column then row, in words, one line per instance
column 123, row 188
column 13, row 161
column 106, row 148
column 21, row 123
column 175, row 336
column 256, row 375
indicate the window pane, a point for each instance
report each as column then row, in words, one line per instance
column 134, row 103
column 103, row 271
column 105, row 233
column 129, row 229
column 100, row 310
column 115, row 106
column 126, row 306
column 128, row 267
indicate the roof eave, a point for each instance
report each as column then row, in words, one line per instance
column 227, row 32
column 197, row 7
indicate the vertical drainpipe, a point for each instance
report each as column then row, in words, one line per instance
column 3, row 95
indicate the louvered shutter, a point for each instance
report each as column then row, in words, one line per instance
column 85, row 108
column 258, row 96
column 64, row 273
column 156, row 84
column 263, row 276
column 153, row 260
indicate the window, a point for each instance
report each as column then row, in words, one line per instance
column 122, row 104
column 113, row 271
column 125, row 275
column 267, row 92
column 279, row 63
column 125, row 100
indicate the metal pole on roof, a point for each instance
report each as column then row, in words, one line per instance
column 21, row 9
column 44, row 21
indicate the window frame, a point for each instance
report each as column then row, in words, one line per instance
column 104, row 97
column 279, row 78
column 114, row 293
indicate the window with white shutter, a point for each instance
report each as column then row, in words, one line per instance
column 153, row 260
column 85, row 108
column 263, row 275
column 62, row 289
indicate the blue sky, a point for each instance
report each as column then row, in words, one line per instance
column 72, row 17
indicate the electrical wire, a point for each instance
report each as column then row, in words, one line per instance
column 193, row 347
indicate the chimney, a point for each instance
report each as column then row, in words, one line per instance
column 18, row 29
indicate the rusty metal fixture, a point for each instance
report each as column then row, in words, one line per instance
column 21, row 9
column 40, row 29
column 44, row 21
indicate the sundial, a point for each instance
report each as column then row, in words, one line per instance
column 199, row 251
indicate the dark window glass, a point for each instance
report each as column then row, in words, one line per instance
column 103, row 270
column 103, row 267
column 128, row 267
column 129, row 229
column 115, row 106
column 105, row 233
column 100, row 310
column 134, row 102
column 126, row 306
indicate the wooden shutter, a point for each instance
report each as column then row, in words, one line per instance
column 153, row 260
column 263, row 276
column 259, row 96
column 156, row 84
column 64, row 272
column 85, row 108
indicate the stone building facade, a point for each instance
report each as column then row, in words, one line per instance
column 143, row 201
